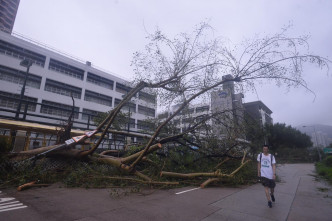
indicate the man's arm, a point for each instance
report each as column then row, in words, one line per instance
column 274, row 170
column 259, row 169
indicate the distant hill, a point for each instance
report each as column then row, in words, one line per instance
column 327, row 130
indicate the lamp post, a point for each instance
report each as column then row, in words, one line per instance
column 320, row 157
column 25, row 63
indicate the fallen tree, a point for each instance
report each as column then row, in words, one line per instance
column 185, row 70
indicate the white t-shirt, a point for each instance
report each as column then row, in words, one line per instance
column 266, row 168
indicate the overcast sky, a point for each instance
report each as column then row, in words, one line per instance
column 108, row 32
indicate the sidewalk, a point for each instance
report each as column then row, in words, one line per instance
column 298, row 197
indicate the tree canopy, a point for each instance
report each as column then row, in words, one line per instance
column 282, row 136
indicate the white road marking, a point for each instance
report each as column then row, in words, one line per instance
column 188, row 190
column 2, row 200
column 10, row 203
column 4, row 204
column 8, row 206
column 21, row 207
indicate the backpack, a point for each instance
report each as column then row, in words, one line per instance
column 260, row 158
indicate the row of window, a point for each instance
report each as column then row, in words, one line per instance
column 95, row 79
column 98, row 98
column 130, row 106
column 57, row 109
column 89, row 114
column 11, row 101
column 69, row 70
column 146, row 111
column 100, row 81
column 17, row 77
column 6, row 19
column 66, row 69
column 14, row 76
column 5, row 27
column 202, row 109
column 143, row 125
column 63, row 89
column 12, row 5
column 147, row 97
column 21, row 53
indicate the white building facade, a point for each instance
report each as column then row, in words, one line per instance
column 53, row 78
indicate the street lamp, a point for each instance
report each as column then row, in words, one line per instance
column 25, row 63
column 320, row 158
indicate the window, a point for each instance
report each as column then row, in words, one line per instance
column 11, row 101
column 144, row 125
column 132, row 123
column 126, row 106
column 201, row 117
column 63, row 89
column 187, row 111
column 202, row 109
column 146, row 111
column 66, row 69
column 102, row 82
column 17, row 77
column 89, row 113
column 187, row 120
column 122, row 88
column 62, row 110
column 98, row 98
column 118, row 137
column 21, row 53
column 147, row 97
column 163, row 115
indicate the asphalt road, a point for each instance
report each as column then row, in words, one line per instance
column 299, row 196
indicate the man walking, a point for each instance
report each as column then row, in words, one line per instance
column 267, row 173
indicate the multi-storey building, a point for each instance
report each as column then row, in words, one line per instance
column 188, row 116
column 227, row 109
column 53, row 79
column 8, row 10
column 229, row 105
column 259, row 112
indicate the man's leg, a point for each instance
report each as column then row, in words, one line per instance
column 267, row 193
column 272, row 195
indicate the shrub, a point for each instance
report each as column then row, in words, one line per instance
column 324, row 168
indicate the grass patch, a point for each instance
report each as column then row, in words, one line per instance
column 324, row 168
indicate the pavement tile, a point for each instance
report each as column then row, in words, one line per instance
column 226, row 214
column 253, row 203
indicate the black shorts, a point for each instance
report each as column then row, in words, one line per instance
column 268, row 182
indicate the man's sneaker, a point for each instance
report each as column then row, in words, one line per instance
column 272, row 197
column 269, row 204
